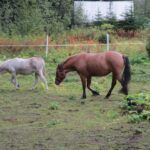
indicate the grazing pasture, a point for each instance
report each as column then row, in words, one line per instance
column 57, row 119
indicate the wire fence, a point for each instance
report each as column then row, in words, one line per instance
column 80, row 47
column 69, row 45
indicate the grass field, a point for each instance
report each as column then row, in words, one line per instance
column 57, row 120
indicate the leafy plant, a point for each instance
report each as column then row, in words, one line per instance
column 54, row 106
column 137, row 107
column 107, row 27
column 52, row 123
column 102, row 38
column 134, row 118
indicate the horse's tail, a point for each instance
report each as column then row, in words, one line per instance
column 126, row 76
column 44, row 71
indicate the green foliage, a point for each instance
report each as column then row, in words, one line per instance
column 106, row 26
column 103, row 38
column 34, row 17
column 142, row 11
column 129, row 23
column 52, row 123
column 79, row 17
column 137, row 107
column 139, row 59
column 134, row 118
column 54, row 106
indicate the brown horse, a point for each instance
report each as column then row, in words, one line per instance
column 88, row 65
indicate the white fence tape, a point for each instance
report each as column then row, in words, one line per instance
column 70, row 45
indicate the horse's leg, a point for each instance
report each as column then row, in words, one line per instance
column 124, row 88
column 83, row 80
column 95, row 93
column 112, row 86
column 43, row 79
column 35, row 81
column 14, row 80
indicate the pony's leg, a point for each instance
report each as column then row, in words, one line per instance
column 124, row 88
column 112, row 86
column 95, row 93
column 83, row 80
column 43, row 79
column 35, row 81
column 14, row 80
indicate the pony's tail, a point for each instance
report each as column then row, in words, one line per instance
column 44, row 71
column 126, row 76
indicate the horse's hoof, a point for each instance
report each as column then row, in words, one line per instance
column 83, row 97
column 106, row 97
column 95, row 93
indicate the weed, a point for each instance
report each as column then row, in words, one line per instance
column 134, row 118
column 54, row 106
column 52, row 123
column 137, row 106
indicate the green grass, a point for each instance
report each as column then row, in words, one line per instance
column 57, row 120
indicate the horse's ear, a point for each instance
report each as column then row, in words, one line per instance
column 60, row 67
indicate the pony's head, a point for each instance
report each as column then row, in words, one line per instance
column 60, row 74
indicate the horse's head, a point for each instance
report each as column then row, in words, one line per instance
column 60, row 74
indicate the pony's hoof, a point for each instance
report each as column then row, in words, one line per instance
column 83, row 97
column 106, row 97
column 95, row 93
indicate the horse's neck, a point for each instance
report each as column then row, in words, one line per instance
column 68, row 65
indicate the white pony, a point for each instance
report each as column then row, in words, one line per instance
column 25, row 67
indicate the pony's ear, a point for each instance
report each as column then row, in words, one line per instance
column 60, row 67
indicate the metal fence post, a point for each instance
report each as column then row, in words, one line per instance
column 107, row 37
column 46, row 50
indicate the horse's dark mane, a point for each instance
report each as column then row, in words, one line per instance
column 68, row 59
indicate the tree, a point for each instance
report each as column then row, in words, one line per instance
column 79, row 17
column 129, row 23
column 142, row 11
column 110, row 17
column 98, row 17
column 33, row 16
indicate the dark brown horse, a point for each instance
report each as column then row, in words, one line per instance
column 88, row 65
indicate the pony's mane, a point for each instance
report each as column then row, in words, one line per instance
column 69, row 58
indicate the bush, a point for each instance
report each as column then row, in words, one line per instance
column 107, row 27
column 54, row 106
column 103, row 38
column 138, row 59
column 137, row 107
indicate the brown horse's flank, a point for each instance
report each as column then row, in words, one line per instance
column 88, row 65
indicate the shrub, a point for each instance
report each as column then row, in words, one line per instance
column 52, row 123
column 103, row 38
column 107, row 27
column 54, row 106
column 134, row 118
column 137, row 107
